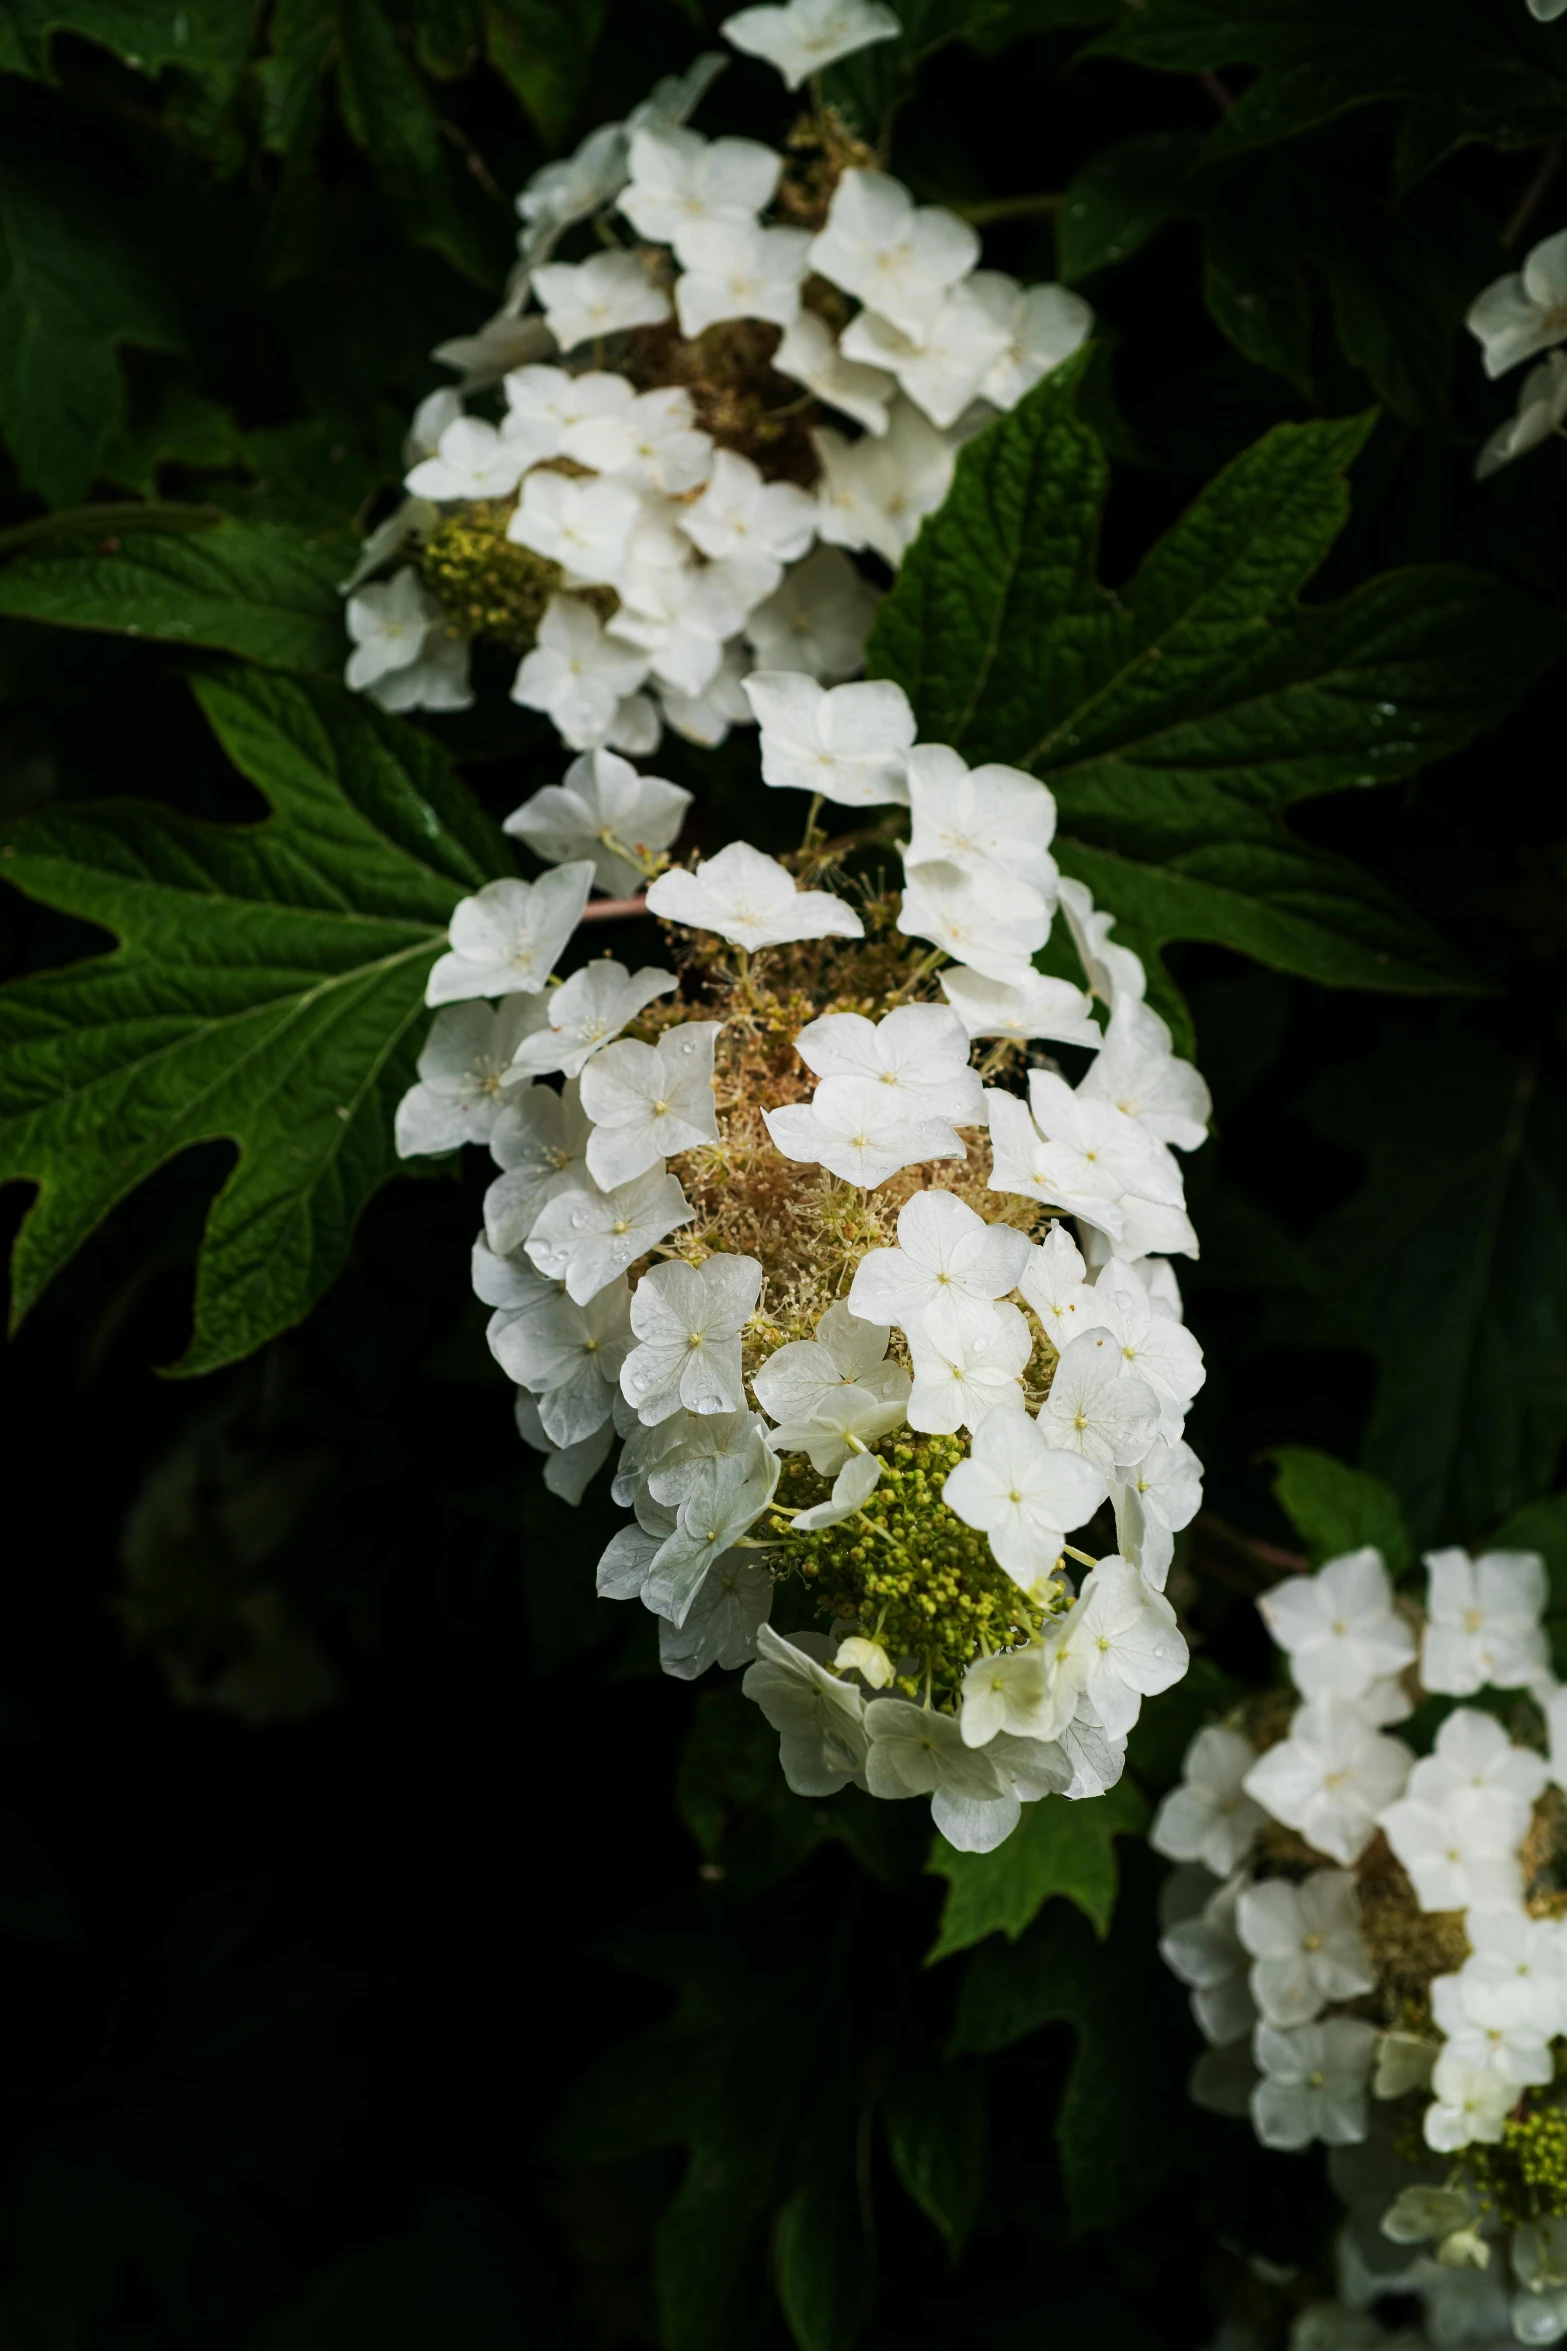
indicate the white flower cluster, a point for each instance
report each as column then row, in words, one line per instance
column 666, row 563
column 1400, row 1880
column 1516, row 318
column 1063, row 1361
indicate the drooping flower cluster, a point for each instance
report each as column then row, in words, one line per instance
column 654, row 481
column 878, row 1304
column 1375, row 1940
column 1516, row 318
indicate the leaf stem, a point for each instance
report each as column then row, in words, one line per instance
column 996, row 208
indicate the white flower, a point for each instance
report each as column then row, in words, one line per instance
column 941, row 364
column 876, row 492
column 1012, row 1694
column 1054, row 1282
column 818, row 621
column 464, row 1071
column 820, row 1720
column 1046, row 325
column 706, row 718
column 751, row 901
column 1113, row 972
column 1524, row 312
column 992, row 924
column 799, row 1378
column 860, row 1130
column 810, row 352
column 741, row 513
column 856, row 1481
column 688, row 1318
column 438, row 680
column 388, row 622
column 1471, row 2103
column 649, row 1101
column 849, row 743
column 501, row 344
column 801, row 38
column 1091, row 1159
column 509, row 934
column 733, row 269
column 679, row 179
column 1137, row 1071
column 721, row 1623
column 582, row 525
column 1473, row 1752
column 1096, row 1406
column 540, row 1139
column 1338, row 1626
column 1025, row 1495
column 471, row 460
column 1542, row 405
column 726, row 1496
column 1203, row 1949
column 568, row 1469
column 430, row 419
column 585, row 1239
column 899, row 260
column 957, row 1383
column 1513, row 1975
column 682, row 620
column 579, row 183
column 985, row 820
column 914, row 1751
column 652, row 440
column 546, row 407
column 1037, row 1006
column 1307, row 1944
column 1153, row 1502
column 917, row 1051
column 585, row 1012
column 571, row 1357
column 845, row 1425
column 603, row 296
column 1517, row 2050
column 1330, row 1778
column 1209, row 1817
column 1459, row 1851
column 1483, row 1622
column 577, row 674
column 604, row 811
column 1157, row 1349
column 1119, row 1644
column 945, row 1274
column 866, row 1658
column 1314, row 2083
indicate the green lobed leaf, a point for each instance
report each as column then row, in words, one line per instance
column 1177, row 719
column 73, row 290
column 819, row 2266
column 1449, row 1266
column 935, row 2120
column 268, row 990
column 1121, row 198
column 1334, row 1508
column 260, row 589
column 1056, row 1848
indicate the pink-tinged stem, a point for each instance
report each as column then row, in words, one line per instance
column 608, row 909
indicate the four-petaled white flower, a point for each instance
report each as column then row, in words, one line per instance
column 956, row 1383
column 722, row 1622
column 1307, row 1944
column 899, row 259
column 1137, row 1071
column 1092, row 1160
column 876, row 491
column 1524, row 312
column 585, row 526
column 849, row 743
column 1470, row 2103
column 651, row 439
column 1339, row 1626
column 1513, row 1974
column 1314, row 2083
column 1025, row 1495
column 1517, row 2050
column 1098, row 1408
column 941, row 364
column 725, row 1498
column 817, row 622
column 802, row 37
column 1153, row 1501
column 1044, row 325
column 572, row 1358
column 540, row 1140
column 1201, row 1947
column 577, row 675
column 1209, row 1817
column 846, row 1353
column 679, row 178
column 1473, row 1752
column 812, row 354
column 1460, row 1851
column 751, row 901
column 604, row 811
column 509, row 935
column 466, row 1070
column 584, row 1013
column 605, row 295
column 918, row 1052
column 1331, row 1777
column 1037, row 1007
column 819, row 1719
column 1160, row 1351
column 1542, row 406
column 648, row 1101
column 859, row 1129
column 1012, row 1693
column 944, row 1275
column 585, row 1239
column 389, row 623
column 1483, row 1622
column 984, row 820
column 546, row 406
column 689, row 1318
column 742, row 513
column 733, row 269
column 471, row 460
column 1118, row 1644
column 1054, row 1282
column 990, row 923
